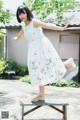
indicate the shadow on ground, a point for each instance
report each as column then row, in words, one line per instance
column 6, row 101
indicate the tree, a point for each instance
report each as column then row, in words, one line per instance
column 42, row 8
column 4, row 16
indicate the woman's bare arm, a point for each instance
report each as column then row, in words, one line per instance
column 38, row 23
column 19, row 35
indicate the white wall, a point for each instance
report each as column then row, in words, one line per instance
column 17, row 50
column 66, row 44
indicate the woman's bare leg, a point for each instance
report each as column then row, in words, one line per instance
column 41, row 95
column 41, row 90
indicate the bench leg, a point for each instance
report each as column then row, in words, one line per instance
column 64, row 112
column 22, row 112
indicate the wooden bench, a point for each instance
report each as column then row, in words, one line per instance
column 40, row 104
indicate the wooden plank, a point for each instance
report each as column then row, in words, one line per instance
column 42, row 103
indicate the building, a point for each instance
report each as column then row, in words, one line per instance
column 66, row 43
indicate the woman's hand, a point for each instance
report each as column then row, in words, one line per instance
column 15, row 38
column 19, row 35
column 66, row 26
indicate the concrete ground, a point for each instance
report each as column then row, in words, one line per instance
column 16, row 91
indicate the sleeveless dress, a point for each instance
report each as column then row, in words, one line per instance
column 44, row 63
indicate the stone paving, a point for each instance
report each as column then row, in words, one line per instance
column 17, row 91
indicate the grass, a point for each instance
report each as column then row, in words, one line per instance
column 62, row 83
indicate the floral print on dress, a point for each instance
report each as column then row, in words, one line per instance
column 44, row 63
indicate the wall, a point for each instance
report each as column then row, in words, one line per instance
column 66, row 44
column 16, row 50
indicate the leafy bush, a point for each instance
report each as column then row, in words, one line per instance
column 66, row 83
column 62, row 83
column 25, row 79
column 19, row 69
column 12, row 65
column 2, row 66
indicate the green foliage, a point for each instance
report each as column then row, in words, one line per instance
column 12, row 65
column 2, row 66
column 42, row 8
column 65, row 83
column 25, row 79
column 4, row 14
column 1, row 35
column 1, row 4
column 62, row 83
column 19, row 69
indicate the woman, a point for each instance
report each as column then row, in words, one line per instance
column 44, row 64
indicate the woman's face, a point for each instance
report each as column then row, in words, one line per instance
column 23, row 16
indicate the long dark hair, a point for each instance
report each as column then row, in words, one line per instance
column 23, row 9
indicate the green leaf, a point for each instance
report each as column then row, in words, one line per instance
column 42, row 8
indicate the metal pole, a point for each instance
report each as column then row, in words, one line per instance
column 79, row 62
column 64, row 112
column 22, row 112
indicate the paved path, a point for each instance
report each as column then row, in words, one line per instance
column 17, row 91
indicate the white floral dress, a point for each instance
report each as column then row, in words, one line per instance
column 44, row 64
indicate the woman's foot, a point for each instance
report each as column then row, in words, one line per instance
column 71, row 74
column 38, row 98
column 70, row 64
